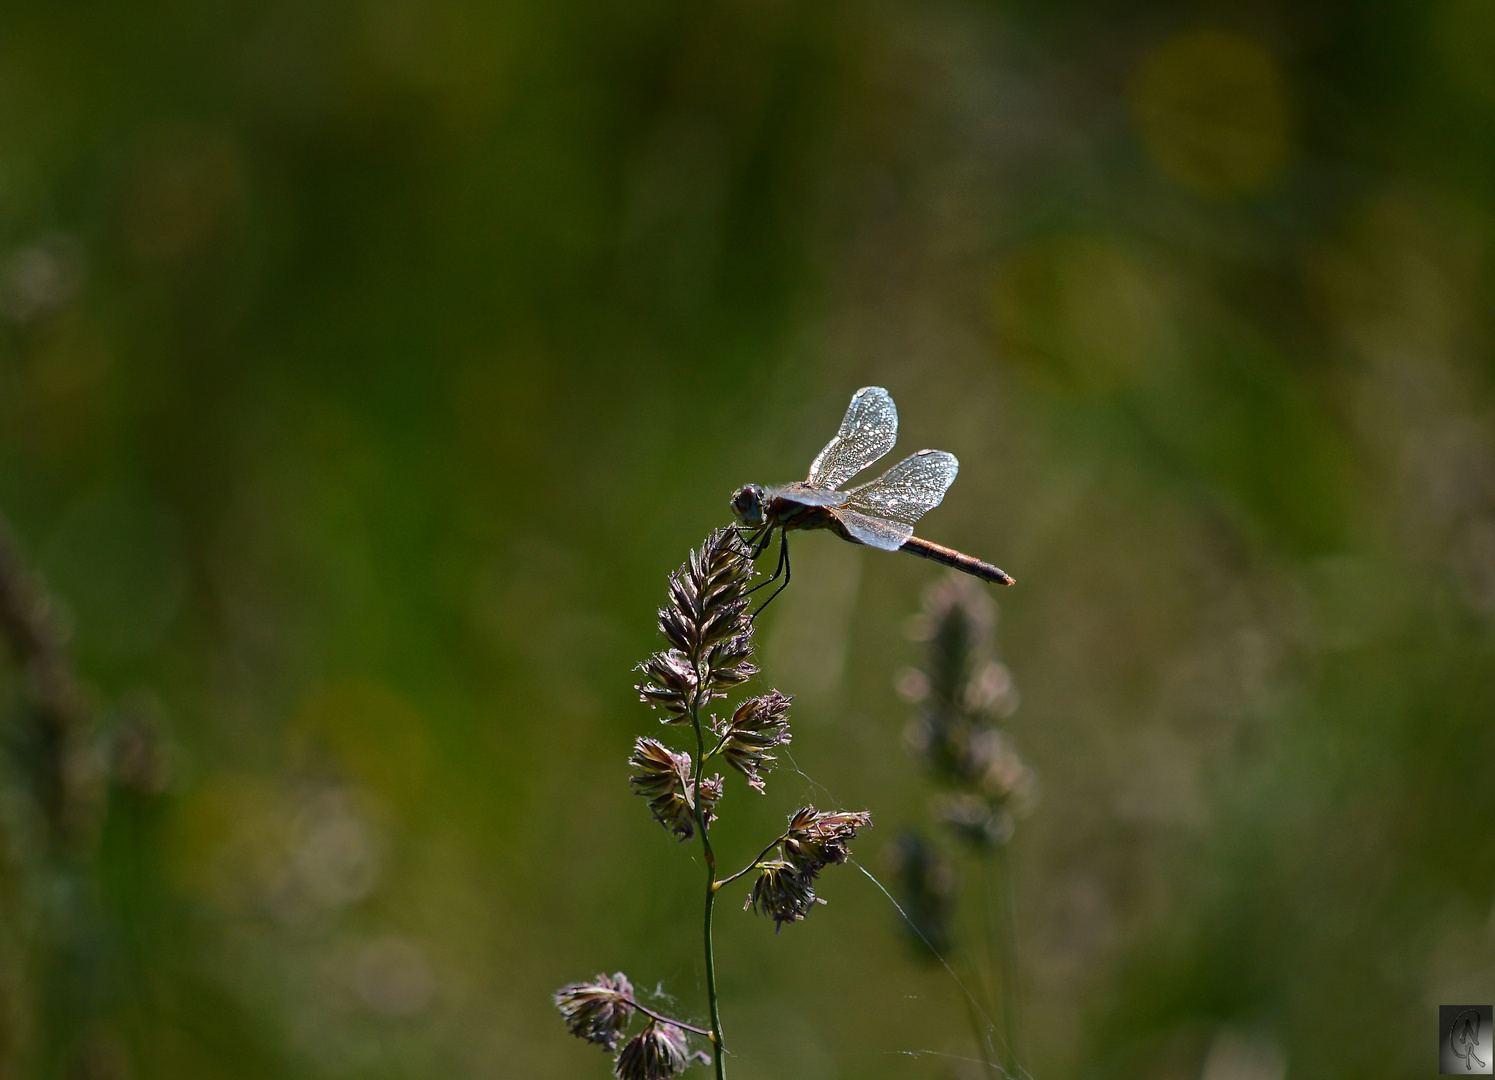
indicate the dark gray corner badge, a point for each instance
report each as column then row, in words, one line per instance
column 1465, row 1045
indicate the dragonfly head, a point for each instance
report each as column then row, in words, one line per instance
column 747, row 505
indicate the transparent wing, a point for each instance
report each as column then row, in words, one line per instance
column 908, row 490
column 806, row 495
column 867, row 433
column 887, row 535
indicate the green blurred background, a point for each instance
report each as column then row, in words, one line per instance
column 365, row 365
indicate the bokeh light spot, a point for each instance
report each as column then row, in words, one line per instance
column 187, row 192
column 394, row 978
column 373, row 733
column 228, row 841
column 1465, row 34
column 1084, row 309
column 1237, row 1055
column 1213, row 112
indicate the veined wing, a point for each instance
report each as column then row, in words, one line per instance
column 806, row 495
column 887, row 535
column 867, row 433
column 908, row 490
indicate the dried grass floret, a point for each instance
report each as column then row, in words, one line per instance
column 597, row 1011
column 669, row 683
column 708, row 599
column 783, row 892
column 816, row 838
column 708, row 627
column 727, row 661
column 656, row 1053
column 785, row 886
column 749, row 735
column 664, row 777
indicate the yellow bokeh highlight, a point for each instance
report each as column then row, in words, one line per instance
column 373, row 734
column 1085, row 309
column 1213, row 113
column 228, row 840
column 1465, row 33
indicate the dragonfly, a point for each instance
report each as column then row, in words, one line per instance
column 881, row 513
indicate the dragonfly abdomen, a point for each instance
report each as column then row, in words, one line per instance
column 926, row 549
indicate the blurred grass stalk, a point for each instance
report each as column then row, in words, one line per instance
column 51, row 821
column 60, row 939
column 963, row 692
column 51, row 740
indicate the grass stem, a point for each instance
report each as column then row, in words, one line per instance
column 717, row 1047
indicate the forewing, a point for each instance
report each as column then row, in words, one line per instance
column 867, row 433
column 908, row 490
column 806, row 495
column 887, row 535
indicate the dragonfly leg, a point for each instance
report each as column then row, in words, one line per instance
column 783, row 565
column 758, row 548
column 763, row 540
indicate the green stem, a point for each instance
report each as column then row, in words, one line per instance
column 711, row 886
column 991, row 979
column 1014, row 1007
column 668, row 1019
column 983, row 1039
column 1001, row 945
column 752, row 865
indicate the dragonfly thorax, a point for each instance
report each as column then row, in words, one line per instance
column 747, row 505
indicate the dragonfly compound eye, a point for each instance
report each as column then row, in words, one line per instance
column 747, row 505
